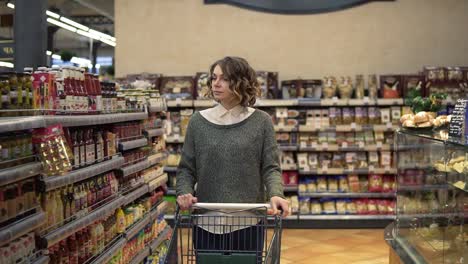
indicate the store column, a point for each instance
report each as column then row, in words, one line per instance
column 30, row 31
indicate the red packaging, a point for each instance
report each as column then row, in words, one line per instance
column 375, row 183
column 372, row 207
column 388, row 183
column 285, row 178
column 44, row 92
column 361, row 206
column 293, row 178
column 391, row 205
column 382, row 206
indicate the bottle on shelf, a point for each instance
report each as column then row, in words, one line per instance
column 99, row 146
column 73, row 249
column 82, row 144
column 90, row 147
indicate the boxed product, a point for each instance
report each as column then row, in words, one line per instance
column 361, row 115
column 390, row 86
column 201, row 81
column 330, row 87
column 332, row 184
column 268, row 84
column 329, row 206
column 177, row 87
column 315, row 207
column 334, row 114
column 343, row 184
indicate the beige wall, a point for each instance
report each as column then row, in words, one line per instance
column 181, row 37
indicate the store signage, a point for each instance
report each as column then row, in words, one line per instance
column 457, row 129
column 7, row 51
column 294, row 6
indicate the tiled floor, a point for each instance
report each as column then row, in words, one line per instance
column 334, row 246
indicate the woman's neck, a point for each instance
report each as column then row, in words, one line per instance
column 229, row 105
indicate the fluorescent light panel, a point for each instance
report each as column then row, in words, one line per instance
column 10, row 5
column 87, row 34
column 7, row 64
column 52, row 14
column 108, row 42
column 49, row 53
column 60, row 24
column 102, row 35
column 73, row 23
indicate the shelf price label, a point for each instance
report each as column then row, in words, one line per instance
column 344, row 144
column 379, row 145
column 353, row 126
column 389, row 125
column 303, row 144
column 178, row 102
column 366, row 100
column 371, row 168
column 325, row 146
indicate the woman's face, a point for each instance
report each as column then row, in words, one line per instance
column 220, row 86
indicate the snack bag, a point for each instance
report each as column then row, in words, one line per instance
column 375, row 183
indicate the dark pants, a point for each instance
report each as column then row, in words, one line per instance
column 247, row 240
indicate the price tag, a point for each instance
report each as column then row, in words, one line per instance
column 335, row 100
column 178, row 102
column 389, row 125
column 371, row 168
column 314, row 145
column 366, row 100
column 176, row 137
column 325, row 169
column 351, row 169
column 361, row 144
column 344, row 145
column 303, row 144
column 325, row 145
column 353, row 126
column 379, row 145
column 387, row 169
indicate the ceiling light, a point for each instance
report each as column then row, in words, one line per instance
column 6, row 64
column 97, row 66
column 103, row 35
column 60, row 24
column 73, row 23
column 10, row 5
column 52, row 14
column 49, row 53
column 108, row 42
column 87, row 34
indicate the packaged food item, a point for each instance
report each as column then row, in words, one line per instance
column 374, row 115
column 385, row 115
column 341, row 206
column 322, row 184
column 359, row 138
column 353, row 182
column 396, row 114
column 338, row 160
column 343, row 184
column 345, row 87
column 311, row 185
column 375, row 183
column 372, row 207
column 325, row 120
column 294, row 204
column 385, row 158
column 348, row 115
column 341, row 138
column 285, row 176
column 331, row 137
column 202, row 85
column 323, row 137
column 391, row 205
column 351, row 206
column 334, row 114
column 362, row 160
column 351, row 160
column 293, row 177
column 361, row 206
column 363, row 184
column 390, row 86
column 388, row 183
column 332, row 184
column 313, row 160
column 325, row 159
column 359, row 87
column 372, row 85
column 379, row 136
column 328, row 205
column 302, row 187
column 360, row 115
column 382, row 206
column 315, row 207
column 289, row 89
column 369, row 137
column 302, row 161
column 177, row 87
column 330, row 87
column 304, row 205
column 373, row 159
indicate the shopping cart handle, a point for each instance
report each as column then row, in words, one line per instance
column 231, row 206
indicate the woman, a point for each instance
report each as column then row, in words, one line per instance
column 230, row 150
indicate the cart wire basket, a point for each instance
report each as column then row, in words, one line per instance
column 225, row 233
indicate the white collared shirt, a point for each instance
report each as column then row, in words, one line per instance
column 221, row 116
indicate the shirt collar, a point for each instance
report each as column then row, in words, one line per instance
column 235, row 111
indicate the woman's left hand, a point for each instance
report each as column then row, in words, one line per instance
column 277, row 204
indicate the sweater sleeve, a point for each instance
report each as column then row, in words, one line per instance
column 186, row 171
column 271, row 170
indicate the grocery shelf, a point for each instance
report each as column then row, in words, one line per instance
column 68, row 229
column 288, row 167
column 395, row 102
column 334, row 171
column 179, row 103
column 433, row 215
column 54, row 182
column 333, row 102
column 18, row 173
column 335, row 147
column 41, row 260
column 89, row 120
column 348, row 195
column 140, row 256
column 290, row 188
column 161, row 238
column 425, row 187
column 134, row 168
column 8, row 124
column 308, row 102
column 170, row 169
column 107, row 255
column 21, row 227
column 133, row 144
column 285, row 128
column 349, row 128
column 288, row 147
column 154, row 175
column 156, row 108
column 160, row 209
column 204, row 103
column 169, row 217
column 152, row 185
column 137, row 227
column 175, row 139
column 156, row 159
column 346, row 217
column 132, row 196
column 155, row 132
column 276, row 102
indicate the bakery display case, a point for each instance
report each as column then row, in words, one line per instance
column 432, row 200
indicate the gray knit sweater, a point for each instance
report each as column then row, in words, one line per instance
column 231, row 163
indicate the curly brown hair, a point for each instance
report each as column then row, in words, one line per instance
column 242, row 79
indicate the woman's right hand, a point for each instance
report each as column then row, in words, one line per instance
column 185, row 201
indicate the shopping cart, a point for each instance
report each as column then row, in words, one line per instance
column 238, row 233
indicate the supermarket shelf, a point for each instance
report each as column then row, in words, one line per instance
column 8, row 124
column 423, row 187
column 89, row 120
column 276, row 102
column 288, row 167
column 285, row 128
column 396, row 102
column 308, row 102
column 133, row 144
column 19, row 173
column 137, row 227
column 161, row 238
column 154, row 132
column 204, row 103
column 346, row 217
column 152, row 185
column 432, row 215
column 107, row 255
column 53, row 182
column 154, row 175
column 333, row 171
column 169, row 217
column 132, row 196
column 161, row 208
column 21, row 227
column 177, row 139
column 348, row 195
column 134, row 168
column 41, row 260
column 156, row 108
column 349, row 128
column 140, row 256
column 156, row 159
column 290, row 188
column 179, row 103
column 170, row 169
column 335, row 147
column 288, row 147
column 66, row 230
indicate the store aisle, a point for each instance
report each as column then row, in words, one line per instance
column 334, row 246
